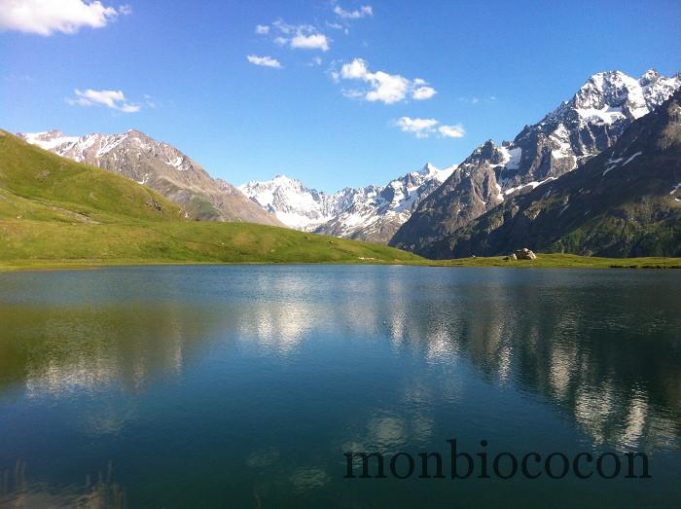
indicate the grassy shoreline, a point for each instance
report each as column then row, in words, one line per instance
column 569, row 261
column 543, row 261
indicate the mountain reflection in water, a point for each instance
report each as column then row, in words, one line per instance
column 123, row 351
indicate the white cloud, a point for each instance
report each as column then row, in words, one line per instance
column 262, row 29
column 336, row 26
column 384, row 87
column 300, row 36
column 422, row 93
column 426, row 127
column 451, row 131
column 474, row 100
column 285, row 28
column 357, row 69
column 363, row 12
column 264, row 61
column 45, row 17
column 114, row 99
column 421, row 127
column 312, row 41
column 149, row 101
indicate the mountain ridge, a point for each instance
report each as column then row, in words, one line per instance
column 564, row 139
column 415, row 211
column 625, row 202
column 371, row 212
column 160, row 166
column 56, row 212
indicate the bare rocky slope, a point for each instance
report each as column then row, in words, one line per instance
column 159, row 166
column 626, row 202
column 564, row 140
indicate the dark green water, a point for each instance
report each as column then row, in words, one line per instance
column 244, row 386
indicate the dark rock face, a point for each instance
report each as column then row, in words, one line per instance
column 469, row 192
column 624, row 202
column 578, row 130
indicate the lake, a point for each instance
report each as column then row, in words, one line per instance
column 245, row 386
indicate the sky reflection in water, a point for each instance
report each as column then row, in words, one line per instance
column 248, row 383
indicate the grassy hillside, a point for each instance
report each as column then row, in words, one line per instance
column 56, row 211
column 37, row 185
column 37, row 242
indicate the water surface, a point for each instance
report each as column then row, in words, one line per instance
column 243, row 386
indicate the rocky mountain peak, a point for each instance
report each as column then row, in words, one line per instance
column 648, row 77
column 624, row 202
column 372, row 212
column 565, row 139
column 606, row 89
column 160, row 166
column 487, row 152
column 137, row 134
column 428, row 169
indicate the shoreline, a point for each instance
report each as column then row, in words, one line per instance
column 543, row 261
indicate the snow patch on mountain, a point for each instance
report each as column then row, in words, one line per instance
column 49, row 140
column 568, row 137
column 529, row 186
column 369, row 213
column 511, row 157
column 291, row 202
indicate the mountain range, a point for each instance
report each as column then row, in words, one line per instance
column 371, row 213
column 565, row 139
column 58, row 212
column 432, row 212
column 159, row 166
column 366, row 213
column 625, row 202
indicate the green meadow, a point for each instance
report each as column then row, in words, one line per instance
column 58, row 213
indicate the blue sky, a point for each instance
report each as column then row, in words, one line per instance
column 365, row 90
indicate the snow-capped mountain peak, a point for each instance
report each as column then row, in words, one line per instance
column 49, row 140
column 576, row 131
column 430, row 171
column 585, row 125
column 612, row 94
column 293, row 204
column 371, row 212
column 649, row 76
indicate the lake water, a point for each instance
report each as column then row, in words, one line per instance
column 244, row 386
